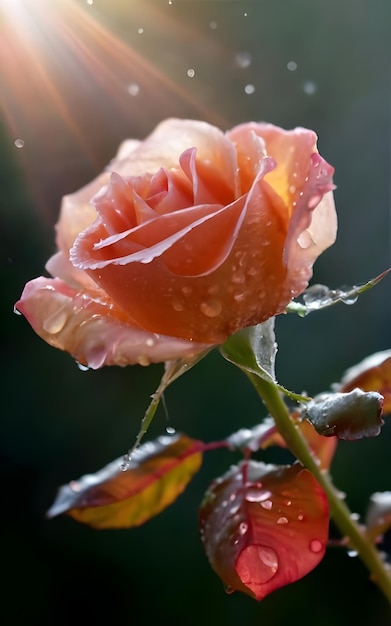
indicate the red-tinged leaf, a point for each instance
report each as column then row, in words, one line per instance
column 158, row 472
column 349, row 416
column 378, row 517
column 264, row 526
column 264, row 435
column 372, row 374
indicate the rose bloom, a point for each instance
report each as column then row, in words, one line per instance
column 185, row 238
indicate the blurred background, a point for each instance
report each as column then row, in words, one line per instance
column 77, row 77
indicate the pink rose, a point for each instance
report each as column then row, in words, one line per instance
column 187, row 237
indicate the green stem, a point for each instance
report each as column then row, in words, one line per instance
column 340, row 513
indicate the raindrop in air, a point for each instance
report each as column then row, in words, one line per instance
column 19, row 143
column 191, row 72
column 249, row 89
column 133, row 89
column 309, row 87
column 291, row 66
column 243, row 59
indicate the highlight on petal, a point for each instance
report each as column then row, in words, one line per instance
column 158, row 473
column 264, row 526
column 92, row 329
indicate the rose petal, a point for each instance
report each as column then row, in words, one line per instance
column 91, row 328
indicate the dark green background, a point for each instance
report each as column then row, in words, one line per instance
column 58, row 423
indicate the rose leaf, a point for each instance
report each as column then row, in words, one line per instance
column 157, row 474
column 317, row 297
column 264, row 526
column 348, row 416
column 372, row 374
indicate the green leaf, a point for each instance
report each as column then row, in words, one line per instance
column 318, row 297
column 348, row 416
column 172, row 371
column 112, row 498
column 253, row 350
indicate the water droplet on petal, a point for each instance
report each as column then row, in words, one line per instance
column 211, row 308
column 150, row 342
column 291, row 66
column 267, row 505
column 316, row 545
column 305, row 240
column 282, row 520
column 300, row 517
column 55, row 322
column 177, row 305
column 82, row 368
column 256, row 565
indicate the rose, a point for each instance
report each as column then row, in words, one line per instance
column 187, row 237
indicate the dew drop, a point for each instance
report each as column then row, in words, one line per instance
column 352, row 553
column 243, row 527
column 282, row 520
column 186, row 291
column 55, row 322
column 177, row 305
column 82, row 368
column 170, row 430
column 228, row 589
column 267, row 505
column 143, row 360
column 316, row 546
column 300, row 517
column 349, row 299
column 16, row 311
column 292, row 189
column 256, row 565
column 257, row 495
column 212, row 308
column 150, row 342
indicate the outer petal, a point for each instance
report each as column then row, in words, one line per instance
column 90, row 327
